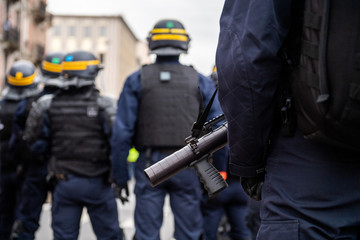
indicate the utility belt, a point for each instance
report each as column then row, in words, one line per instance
column 54, row 178
column 61, row 176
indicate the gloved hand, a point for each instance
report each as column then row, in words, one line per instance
column 253, row 186
column 17, row 230
column 51, row 181
column 122, row 192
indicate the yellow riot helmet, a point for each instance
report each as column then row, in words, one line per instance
column 214, row 76
column 21, row 74
column 51, row 65
column 80, row 64
column 168, row 37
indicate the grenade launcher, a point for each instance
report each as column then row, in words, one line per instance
column 195, row 154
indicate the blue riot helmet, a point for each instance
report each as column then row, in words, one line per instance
column 21, row 74
column 168, row 38
column 81, row 64
column 51, row 65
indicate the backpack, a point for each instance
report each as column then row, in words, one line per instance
column 324, row 72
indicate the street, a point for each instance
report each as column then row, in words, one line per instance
column 125, row 218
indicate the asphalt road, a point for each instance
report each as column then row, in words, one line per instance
column 125, row 218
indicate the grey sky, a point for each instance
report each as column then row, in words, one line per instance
column 200, row 18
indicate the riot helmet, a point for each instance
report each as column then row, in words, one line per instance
column 168, row 38
column 22, row 81
column 21, row 74
column 214, row 76
column 81, row 64
column 51, row 65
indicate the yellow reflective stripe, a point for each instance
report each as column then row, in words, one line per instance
column 178, row 30
column 160, row 30
column 21, row 81
column 78, row 65
column 169, row 30
column 51, row 67
column 169, row 37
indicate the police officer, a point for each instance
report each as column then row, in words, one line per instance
column 252, row 212
column 230, row 204
column 156, row 110
column 21, row 84
column 35, row 188
column 51, row 67
column 79, row 122
column 309, row 190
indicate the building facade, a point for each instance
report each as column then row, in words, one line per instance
column 108, row 37
column 23, row 25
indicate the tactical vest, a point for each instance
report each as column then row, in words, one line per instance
column 7, row 110
column 20, row 152
column 326, row 76
column 169, row 105
column 78, row 144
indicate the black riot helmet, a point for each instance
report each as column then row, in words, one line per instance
column 168, row 37
column 51, row 65
column 21, row 74
column 81, row 64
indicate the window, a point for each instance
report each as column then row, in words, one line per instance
column 102, row 58
column 72, row 31
column 102, row 31
column 87, row 31
column 56, row 30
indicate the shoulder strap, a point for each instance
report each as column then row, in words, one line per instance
column 203, row 114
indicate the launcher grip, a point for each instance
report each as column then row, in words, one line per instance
column 210, row 177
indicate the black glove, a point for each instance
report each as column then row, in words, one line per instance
column 17, row 230
column 51, row 181
column 253, row 186
column 119, row 192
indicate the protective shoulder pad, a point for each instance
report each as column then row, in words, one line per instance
column 108, row 104
column 44, row 102
column 36, row 116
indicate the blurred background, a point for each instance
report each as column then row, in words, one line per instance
column 114, row 30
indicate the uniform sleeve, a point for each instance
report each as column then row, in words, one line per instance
column 251, row 34
column 207, row 88
column 124, row 127
column 20, row 116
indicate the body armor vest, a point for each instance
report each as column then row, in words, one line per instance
column 79, row 145
column 169, row 105
column 19, row 152
column 7, row 110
